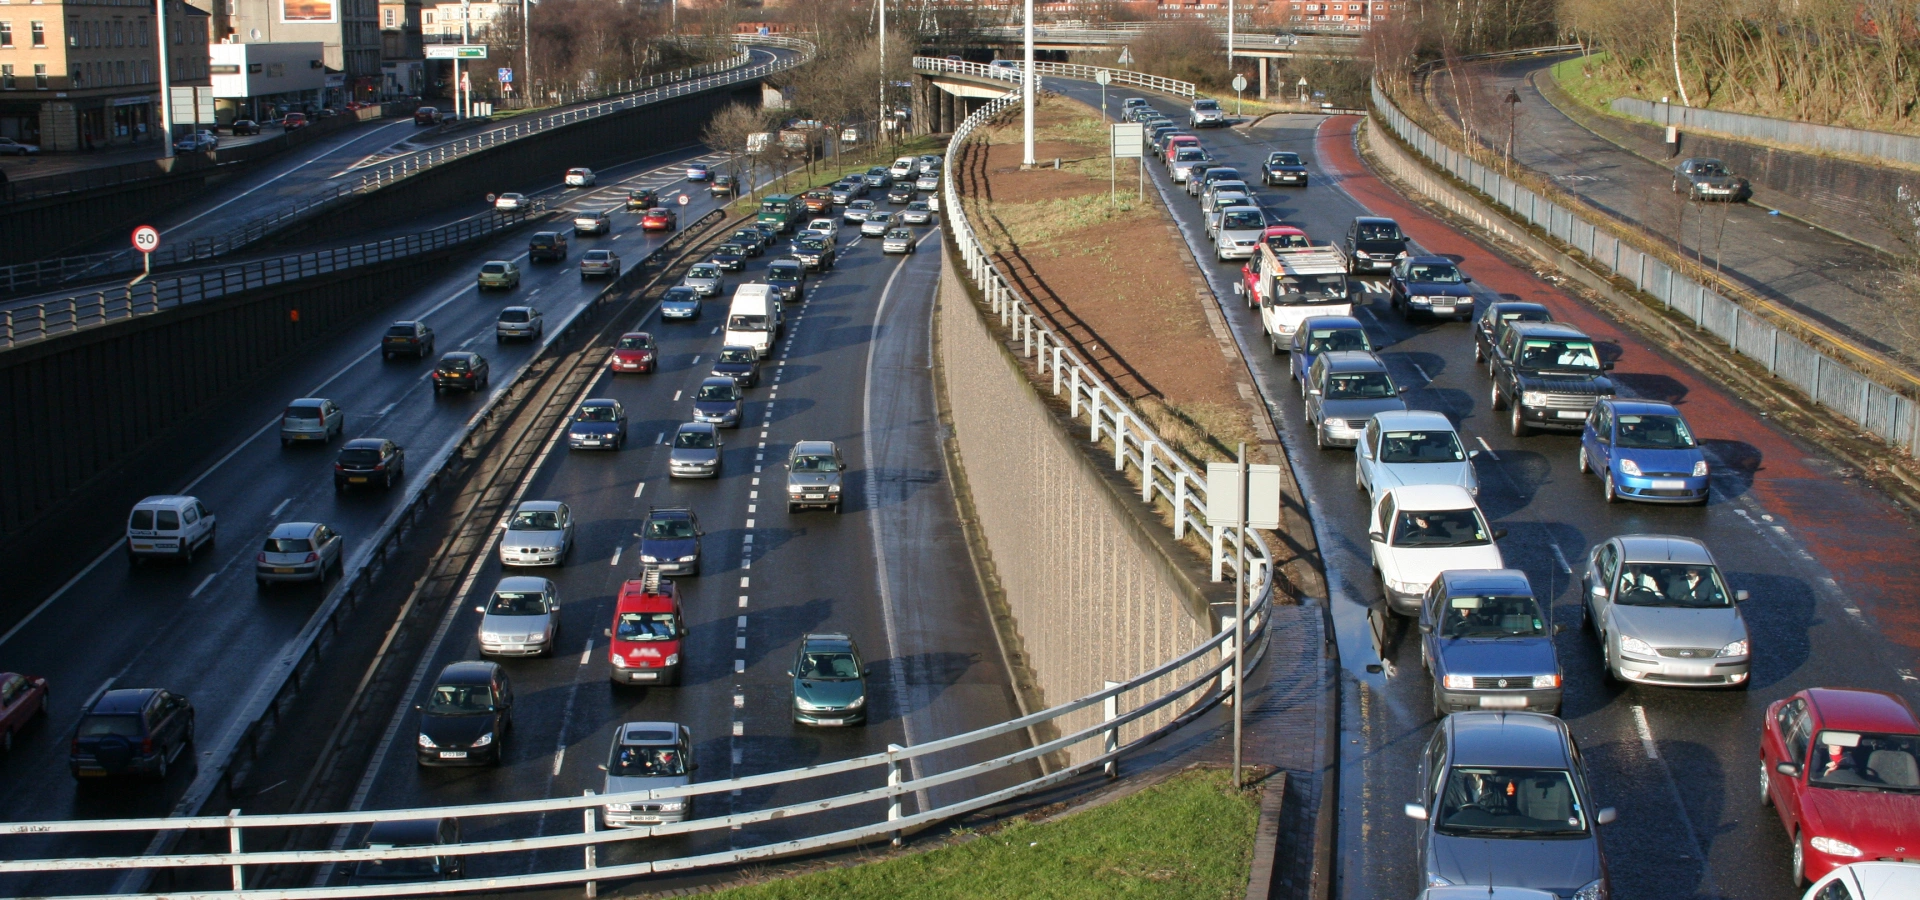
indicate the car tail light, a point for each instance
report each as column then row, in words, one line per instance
column 146, row 746
column 313, row 557
column 74, row 747
column 379, row 467
column 261, row 558
column 339, row 468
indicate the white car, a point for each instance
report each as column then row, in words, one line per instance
column 903, row 167
column 579, row 178
column 510, row 201
column 824, row 227
column 1418, row 531
column 539, row 533
column 1416, row 446
column 1868, row 881
column 876, row 224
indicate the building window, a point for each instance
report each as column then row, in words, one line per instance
column 6, row 76
column 146, row 71
column 6, row 34
column 39, row 34
column 120, row 72
column 224, row 69
column 39, row 76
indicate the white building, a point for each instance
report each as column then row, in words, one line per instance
column 251, row 80
column 442, row 23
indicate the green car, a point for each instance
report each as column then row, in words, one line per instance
column 499, row 273
column 829, row 681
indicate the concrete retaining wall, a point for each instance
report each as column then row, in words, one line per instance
column 1095, row 586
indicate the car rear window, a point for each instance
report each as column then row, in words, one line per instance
column 494, row 268
column 101, row 726
column 303, row 412
column 359, row 457
column 513, row 315
column 453, row 365
column 400, row 331
column 142, row 520
column 599, row 255
column 287, row 545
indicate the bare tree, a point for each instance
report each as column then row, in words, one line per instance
column 730, row 131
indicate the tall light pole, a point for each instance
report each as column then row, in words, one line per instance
column 526, row 37
column 880, row 124
column 1026, row 93
column 1229, row 37
column 1513, row 122
column 166, row 81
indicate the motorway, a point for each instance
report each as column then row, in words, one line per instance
column 1828, row 608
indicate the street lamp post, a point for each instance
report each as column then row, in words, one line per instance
column 1026, row 94
column 166, row 81
column 1513, row 123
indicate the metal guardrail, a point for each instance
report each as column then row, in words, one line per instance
column 1876, row 407
column 1247, row 37
column 1061, row 70
column 39, row 321
column 1814, row 137
column 897, row 774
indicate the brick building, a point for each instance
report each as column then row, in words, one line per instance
column 78, row 74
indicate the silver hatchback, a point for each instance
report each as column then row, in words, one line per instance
column 298, row 551
column 705, row 279
column 539, row 533
column 816, row 475
column 696, row 451
column 1663, row 615
column 522, row 618
column 311, row 419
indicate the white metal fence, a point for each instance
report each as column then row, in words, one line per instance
column 1831, row 138
column 877, row 811
column 1011, row 73
column 1873, row 406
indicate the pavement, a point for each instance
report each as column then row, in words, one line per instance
column 19, row 168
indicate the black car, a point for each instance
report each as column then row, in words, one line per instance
column 467, row 717
column 753, row 239
column 815, row 253
column 740, row 363
column 245, row 126
column 369, row 461
column 1487, row 326
column 642, row 200
column 408, row 833
column 410, row 337
column 722, row 186
column 1551, row 374
column 902, row 192
column 670, row 541
column 788, row 277
column 1283, row 167
column 730, row 256
column 1373, row 244
column 1198, row 184
column 461, row 371
column 131, row 731
column 1429, row 285
column 547, row 245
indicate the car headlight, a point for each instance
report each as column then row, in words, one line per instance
column 796, row 489
column 426, row 743
column 1546, row 681
column 1407, row 587
column 673, row 805
column 1630, row 467
column 484, row 740
column 673, row 659
column 1420, row 301
column 858, row 702
column 619, row 662
column 689, row 557
column 806, row 706
column 1700, row 469
column 489, row 636
column 619, row 807
column 646, row 558
column 1631, row 644
column 833, row 489
column 1594, row 890
column 1362, row 254
column 1833, row 847
column 536, row 639
column 1458, row 682
column 1737, row 648
column 1533, row 398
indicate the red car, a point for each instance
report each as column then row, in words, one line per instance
column 648, row 631
column 294, row 120
column 1177, row 143
column 23, row 698
column 634, row 352
column 659, row 218
column 1842, row 769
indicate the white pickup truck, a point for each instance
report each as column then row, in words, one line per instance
column 1291, row 281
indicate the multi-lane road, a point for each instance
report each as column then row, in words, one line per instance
column 1829, row 607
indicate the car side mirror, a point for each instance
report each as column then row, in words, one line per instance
column 1466, row 279
column 1741, row 596
column 1377, row 537
column 1499, row 533
column 1791, row 770
column 1426, row 627
column 1598, row 590
column 416, row 707
column 1606, row 367
column 868, row 671
column 1560, row 628
column 1473, row 454
column 602, row 767
column 1606, row 816
column 1416, row 811
column 606, row 632
column 1400, row 390
column 1313, row 391
column 790, row 673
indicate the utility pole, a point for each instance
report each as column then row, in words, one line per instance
column 880, row 124
column 1240, row 585
column 460, row 87
column 1513, row 123
column 166, row 81
column 1230, row 8
column 526, row 38
column 1026, row 94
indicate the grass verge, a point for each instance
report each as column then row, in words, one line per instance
column 1190, row 837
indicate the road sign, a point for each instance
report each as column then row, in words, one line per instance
column 457, row 51
column 1126, row 56
column 1239, row 82
column 492, row 197
column 1263, row 495
column 1129, row 140
column 146, row 239
column 683, row 199
column 506, row 76
column 1103, row 77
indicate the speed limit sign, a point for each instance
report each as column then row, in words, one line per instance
column 683, row 199
column 492, row 197
column 146, row 239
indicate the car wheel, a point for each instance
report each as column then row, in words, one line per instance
column 1320, row 437
column 791, row 509
column 1276, row 351
column 1358, row 484
column 284, row 443
column 386, row 355
column 1585, row 467
column 160, row 771
column 1518, row 424
column 1766, row 784
column 1607, row 672
column 1799, row 861
column 836, row 508
column 339, row 487
column 1479, row 355
column 1493, row 398
column 1606, row 487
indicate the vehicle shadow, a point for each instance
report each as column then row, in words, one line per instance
column 892, row 485
column 1509, row 484
column 1646, row 386
column 1780, row 617
column 1429, row 365
column 926, row 676
column 1737, row 461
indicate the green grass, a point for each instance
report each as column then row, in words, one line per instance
column 1592, row 92
column 1189, row 838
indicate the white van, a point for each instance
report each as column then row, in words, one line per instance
column 903, row 167
column 171, row 526
column 755, row 319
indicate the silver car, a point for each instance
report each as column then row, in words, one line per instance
column 1184, row 159
column 539, row 533
column 928, row 181
column 600, row 263
column 856, row 212
column 311, row 419
column 519, row 322
column 648, row 756
column 815, row 476
column 705, row 279
column 876, row 223
column 298, row 551
column 1237, row 232
column 1413, row 446
column 899, row 240
column 1222, row 186
column 592, row 221
column 1344, row 389
column 917, row 213
column 1663, row 615
column 696, row 451
column 522, row 618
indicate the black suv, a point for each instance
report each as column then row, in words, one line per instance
column 1373, row 244
column 467, row 717
column 369, row 461
column 131, row 731
column 408, row 833
column 407, row 337
column 730, row 256
column 789, row 278
column 547, row 245
column 1550, row 374
column 461, row 370
column 817, row 254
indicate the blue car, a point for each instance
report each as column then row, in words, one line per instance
column 718, row 401
column 1318, row 334
column 1488, row 643
column 1430, row 286
column 598, row 424
column 680, row 303
column 1643, row 450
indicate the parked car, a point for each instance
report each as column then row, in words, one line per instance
column 742, row 364
column 298, row 551
column 462, row 371
column 369, row 461
column 648, row 633
column 659, row 218
column 705, row 279
column 1868, row 881
column 635, row 351
column 1412, row 446
column 407, row 336
column 11, row 147
column 592, row 221
column 600, row 422
column 131, row 731
column 1344, row 389
column 1205, row 112
column 1663, row 615
column 244, row 126
column 899, row 240
column 519, row 323
column 1322, row 334
column 600, row 264
column 1550, row 374
column 1488, row 643
column 1283, row 167
column 408, row 833
column 23, row 701
column 197, row 142
column 510, row 201
column 1841, row 769
column 1429, row 285
column 1373, row 244
column 680, row 302
column 1643, row 450
column 311, row 419
column 499, row 274
column 539, row 533
column 917, row 213
column 1506, row 803
column 1488, row 326
column 696, row 451
column 670, row 538
column 648, row 756
column 699, row 172
column 1708, row 179
column 718, row 400
column 169, row 525
column 642, row 199
column 521, row 618
column 829, row 681
column 1418, row 531
column 579, row 178
column 468, row 716
column 815, row 475
column 550, row 246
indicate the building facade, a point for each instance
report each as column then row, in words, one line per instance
column 84, row 74
column 348, row 30
column 261, row 81
column 402, row 69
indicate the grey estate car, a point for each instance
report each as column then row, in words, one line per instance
column 815, row 476
column 1488, row 643
column 1344, row 389
column 1505, row 800
column 1663, row 615
column 522, row 618
column 1707, row 179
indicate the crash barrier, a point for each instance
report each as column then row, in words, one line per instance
column 1873, row 406
column 885, row 808
column 1043, row 69
column 1899, row 148
column 38, row 321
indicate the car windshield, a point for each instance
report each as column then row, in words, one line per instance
column 634, row 343
column 1421, row 447
column 738, row 354
column 746, row 236
column 815, row 462
column 783, row 273
column 514, row 315
column 1524, row 315
column 900, row 234
column 1502, row 802
column 745, row 322
column 359, row 457
column 1284, row 159
column 517, row 603
column 725, row 392
column 1491, row 617
column 303, row 412
column 460, row 699
column 287, row 545
column 536, row 520
column 670, row 528
column 731, row 250
column 1312, row 289
column 1710, row 167
column 919, row 206
column 646, row 626
column 679, row 294
column 1380, row 233
column 1653, row 433
column 1440, row 528
column 1433, row 274
column 99, row 726
column 1287, row 241
column 1206, row 104
column 1190, row 154
column 597, row 413
column 1358, row 386
column 1555, row 353
column 1322, row 340
column 693, row 440
column 814, row 244
column 829, row 666
column 1234, row 219
column 703, row 271
column 494, row 269
column 1673, row 585
column 1863, row 761
column 644, row 762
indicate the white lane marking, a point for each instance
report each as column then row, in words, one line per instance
column 559, row 757
column 586, row 653
column 1484, row 446
column 743, row 601
column 753, row 507
column 696, row 359
column 716, row 330
column 743, row 581
column 203, row 586
column 386, row 409
column 616, row 556
column 739, row 728
column 739, row 666
column 676, row 396
column 740, row 700
column 638, row 488
column 277, row 509
column 739, row 643
column 660, row 438
column 756, row 481
column 1423, row 373
column 1646, row 732
column 741, row 623
column 1559, row 558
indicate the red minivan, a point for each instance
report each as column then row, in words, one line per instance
column 647, row 633
column 1842, row 769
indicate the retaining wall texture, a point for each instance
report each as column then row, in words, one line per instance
column 1096, row 588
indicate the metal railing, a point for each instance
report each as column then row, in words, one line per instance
column 1011, row 73
column 895, row 776
column 1876, row 407
column 38, row 321
column 1306, row 41
column 1899, row 148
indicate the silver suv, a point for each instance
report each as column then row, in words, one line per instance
column 815, row 476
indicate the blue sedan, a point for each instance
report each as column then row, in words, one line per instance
column 1643, row 450
column 1318, row 334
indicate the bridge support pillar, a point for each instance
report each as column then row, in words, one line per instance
column 1263, row 78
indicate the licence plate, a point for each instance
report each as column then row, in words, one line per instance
column 646, row 676
column 283, row 570
column 1571, row 414
column 1494, row 701
column 831, row 721
column 1669, row 484
column 357, row 479
column 143, row 546
column 513, row 647
column 92, row 773
column 1688, row 669
column 816, row 496
column 453, row 754
column 589, row 443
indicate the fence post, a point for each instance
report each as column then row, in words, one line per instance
column 1219, row 552
column 233, row 846
column 1146, row 471
column 1110, row 738
column 1179, row 504
column 1057, row 352
column 896, row 775
column 1073, row 386
column 1228, row 651
column 1120, row 439
column 592, row 820
column 1094, row 429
